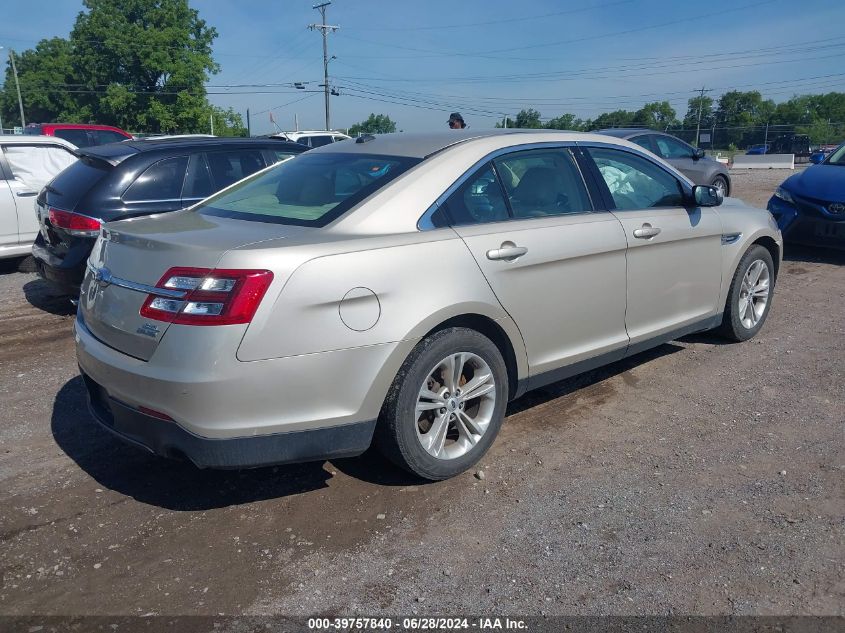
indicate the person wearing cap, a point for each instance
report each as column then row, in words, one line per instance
column 456, row 121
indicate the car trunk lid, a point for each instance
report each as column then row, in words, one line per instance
column 130, row 258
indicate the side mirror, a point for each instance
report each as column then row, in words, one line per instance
column 698, row 153
column 707, row 196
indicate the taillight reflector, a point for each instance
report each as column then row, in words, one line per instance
column 75, row 223
column 212, row 297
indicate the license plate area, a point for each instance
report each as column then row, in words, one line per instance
column 830, row 229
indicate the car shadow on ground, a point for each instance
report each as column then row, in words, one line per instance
column 180, row 486
column 43, row 296
column 794, row 253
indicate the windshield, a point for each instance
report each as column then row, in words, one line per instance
column 309, row 190
column 837, row 157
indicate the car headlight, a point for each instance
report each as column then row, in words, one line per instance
column 784, row 195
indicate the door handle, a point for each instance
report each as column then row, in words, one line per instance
column 508, row 252
column 26, row 194
column 646, row 232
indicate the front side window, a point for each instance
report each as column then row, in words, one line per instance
column 160, row 181
column 542, row 182
column 644, row 141
column 667, row 147
column 634, row 182
column 312, row 190
column 198, row 183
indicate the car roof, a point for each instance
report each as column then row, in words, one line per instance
column 77, row 126
column 422, row 145
column 115, row 153
column 38, row 139
column 625, row 132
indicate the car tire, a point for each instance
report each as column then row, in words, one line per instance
column 755, row 275
column 720, row 182
column 27, row 265
column 437, row 442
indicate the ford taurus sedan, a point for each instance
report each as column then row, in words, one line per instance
column 401, row 289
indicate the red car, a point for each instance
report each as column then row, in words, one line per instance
column 80, row 134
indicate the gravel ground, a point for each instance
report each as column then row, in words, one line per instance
column 698, row 478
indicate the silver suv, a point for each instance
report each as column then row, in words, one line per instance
column 403, row 288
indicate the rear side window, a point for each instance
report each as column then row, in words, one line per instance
column 160, row 181
column 312, row 190
column 198, row 181
column 478, row 200
column 74, row 183
column 79, row 138
column 634, row 182
column 278, row 155
column 543, row 182
column 233, row 165
column 644, row 141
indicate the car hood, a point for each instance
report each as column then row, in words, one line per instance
column 822, row 182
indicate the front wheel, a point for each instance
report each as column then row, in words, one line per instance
column 721, row 185
column 446, row 404
column 750, row 295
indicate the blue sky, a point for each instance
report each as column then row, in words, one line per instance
column 419, row 61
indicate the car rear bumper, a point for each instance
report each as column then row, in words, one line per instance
column 64, row 273
column 168, row 439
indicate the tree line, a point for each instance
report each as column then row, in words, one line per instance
column 140, row 65
column 736, row 118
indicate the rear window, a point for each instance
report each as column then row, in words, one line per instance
column 72, row 184
column 310, row 190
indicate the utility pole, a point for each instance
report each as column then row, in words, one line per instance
column 698, row 125
column 248, row 129
column 324, row 28
column 18, row 85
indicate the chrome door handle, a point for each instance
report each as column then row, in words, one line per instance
column 26, row 194
column 508, row 251
column 646, row 232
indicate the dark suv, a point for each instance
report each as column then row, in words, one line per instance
column 132, row 178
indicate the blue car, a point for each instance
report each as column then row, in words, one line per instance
column 756, row 150
column 810, row 206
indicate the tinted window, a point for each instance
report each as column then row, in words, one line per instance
column 479, row 199
column 636, row 183
column 543, row 182
column 198, row 181
column 668, row 147
column 233, row 165
column 79, row 138
column 279, row 155
column 643, row 141
column 319, row 141
column 312, row 190
column 161, row 181
column 107, row 136
column 74, row 183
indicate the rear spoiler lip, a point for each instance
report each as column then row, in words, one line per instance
column 114, row 161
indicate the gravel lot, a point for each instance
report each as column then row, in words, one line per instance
column 698, row 478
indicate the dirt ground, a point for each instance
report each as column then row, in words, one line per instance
column 698, row 478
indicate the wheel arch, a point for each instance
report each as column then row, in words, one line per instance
column 774, row 250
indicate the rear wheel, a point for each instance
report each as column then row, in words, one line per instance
column 750, row 295
column 445, row 406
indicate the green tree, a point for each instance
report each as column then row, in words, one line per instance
column 46, row 76
column 529, row 118
column 375, row 124
column 564, row 122
column 138, row 64
column 707, row 114
column 658, row 115
column 617, row 118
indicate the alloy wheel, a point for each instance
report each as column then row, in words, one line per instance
column 754, row 293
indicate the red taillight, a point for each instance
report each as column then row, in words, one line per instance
column 212, row 297
column 75, row 223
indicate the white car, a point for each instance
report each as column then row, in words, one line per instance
column 27, row 163
column 313, row 138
